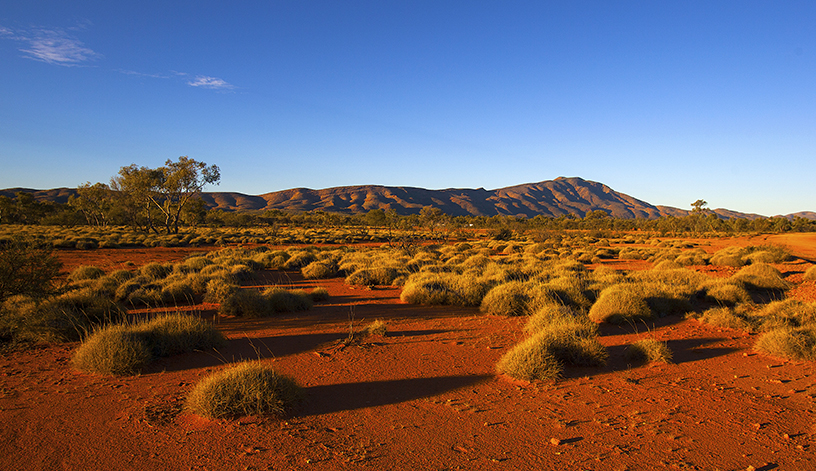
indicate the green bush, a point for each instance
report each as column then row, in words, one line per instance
column 250, row 388
column 26, row 268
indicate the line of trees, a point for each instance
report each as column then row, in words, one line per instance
column 146, row 198
column 166, row 198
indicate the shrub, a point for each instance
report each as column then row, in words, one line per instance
column 246, row 303
column 377, row 327
column 373, row 276
column 729, row 257
column 219, row 290
column 26, row 269
column 115, row 350
column 794, row 343
column 507, row 299
column 558, row 316
column 787, row 313
column 445, row 289
column 619, row 304
column 649, row 350
column 667, row 265
column 726, row 317
column 85, row 273
column 320, row 294
column 299, row 260
column 542, row 356
column 123, row 349
column 241, row 272
column 282, row 300
column 250, row 388
column 319, row 270
column 810, row 274
column 762, row 276
column 155, row 271
column 179, row 292
column 728, row 293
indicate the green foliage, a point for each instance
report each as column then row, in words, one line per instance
column 26, row 268
column 250, row 388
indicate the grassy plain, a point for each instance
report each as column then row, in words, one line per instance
column 676, row 352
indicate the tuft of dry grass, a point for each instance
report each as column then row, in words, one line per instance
column 727, row 317
column 124, row 349
column 762, row 276
column 649, row 350
column 619, row 304
column 810, row 274
column 793, row 343
column 250, row 388
column 543, row 355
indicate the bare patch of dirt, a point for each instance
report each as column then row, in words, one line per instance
column 425, row 396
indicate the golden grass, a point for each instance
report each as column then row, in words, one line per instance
column 251, row 388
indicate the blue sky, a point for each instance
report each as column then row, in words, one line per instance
column 667, row 101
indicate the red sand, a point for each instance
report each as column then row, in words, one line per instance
column 423, row 397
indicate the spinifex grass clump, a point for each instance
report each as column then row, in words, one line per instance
column 762, row 276
column 250, row 388
column 123, row 349
column 727, row 292
column 559, row 336
column 445, row 289
column 649, row 350
column 794, row 343
column 85, row 273
column 729, row 317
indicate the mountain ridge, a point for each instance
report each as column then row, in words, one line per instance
column 559, row 197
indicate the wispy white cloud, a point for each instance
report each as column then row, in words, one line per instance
column 52, row 46
column 142, row 74
column 215, row 83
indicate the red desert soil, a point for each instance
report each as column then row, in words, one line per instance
column 423, row 397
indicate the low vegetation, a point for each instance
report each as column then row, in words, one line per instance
column 125, row 349
column 251, row 388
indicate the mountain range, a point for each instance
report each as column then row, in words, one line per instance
column 549, row 198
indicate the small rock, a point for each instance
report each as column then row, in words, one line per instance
column 555, row 441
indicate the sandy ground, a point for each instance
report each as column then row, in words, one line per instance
column 425, row 396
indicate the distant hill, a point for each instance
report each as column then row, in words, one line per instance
column 549, row 198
